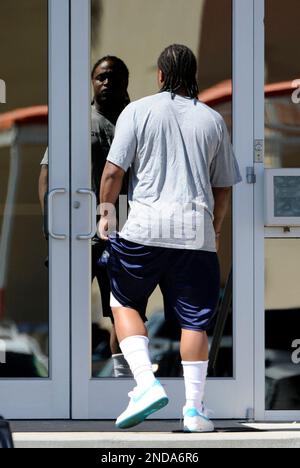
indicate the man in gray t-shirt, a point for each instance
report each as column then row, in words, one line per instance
column 179, row 151
column 182, row 168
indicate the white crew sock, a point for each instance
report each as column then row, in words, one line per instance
column 195, row 374
column 121, row 367
column 136, row 353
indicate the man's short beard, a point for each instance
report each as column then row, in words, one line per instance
column 110, row 102
column 104, row 100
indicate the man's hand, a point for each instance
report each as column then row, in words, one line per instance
column 108, row 221
column 103, row 229
column 111, row 184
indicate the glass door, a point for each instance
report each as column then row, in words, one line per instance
column 226, row 64
column 277, row 243
column 34, row 271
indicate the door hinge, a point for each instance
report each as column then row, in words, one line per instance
column 259, row 151
column 251, row 176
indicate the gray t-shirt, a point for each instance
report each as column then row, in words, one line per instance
column 178, row 150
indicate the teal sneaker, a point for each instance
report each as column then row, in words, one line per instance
column 196, row 421
column 142, row 404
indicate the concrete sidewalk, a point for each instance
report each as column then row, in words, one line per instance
column 152, row 434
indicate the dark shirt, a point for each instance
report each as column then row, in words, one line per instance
column 102, row 134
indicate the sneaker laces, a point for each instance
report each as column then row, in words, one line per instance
column 137, row 390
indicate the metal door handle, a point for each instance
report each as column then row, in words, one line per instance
column 51, row 195
column 93, row 231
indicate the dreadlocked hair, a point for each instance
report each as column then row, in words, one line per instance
column 179, row 66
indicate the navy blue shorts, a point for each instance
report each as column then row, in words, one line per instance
column 189, row 281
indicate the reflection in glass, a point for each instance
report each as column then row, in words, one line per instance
column 282, row 315
column 210, row 37
column 282, row 127
column 282, row 260
column 23, row 136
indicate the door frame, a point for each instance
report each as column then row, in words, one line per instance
column 49, row 398
column 237, row 393
column 260, row 232
column 259, row 248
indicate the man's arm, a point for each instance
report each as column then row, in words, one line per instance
column 222, row 196
column 111, row 185
column 43, row 185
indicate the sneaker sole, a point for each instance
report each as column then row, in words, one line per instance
column 140, row 417
column 207, row 431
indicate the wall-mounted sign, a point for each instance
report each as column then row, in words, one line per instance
column 282, row 197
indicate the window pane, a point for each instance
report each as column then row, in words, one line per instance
column 24, row 317
column 282, row 304
column 137, row 32
column 282, row 134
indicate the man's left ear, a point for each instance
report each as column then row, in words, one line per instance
column 160, row 77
